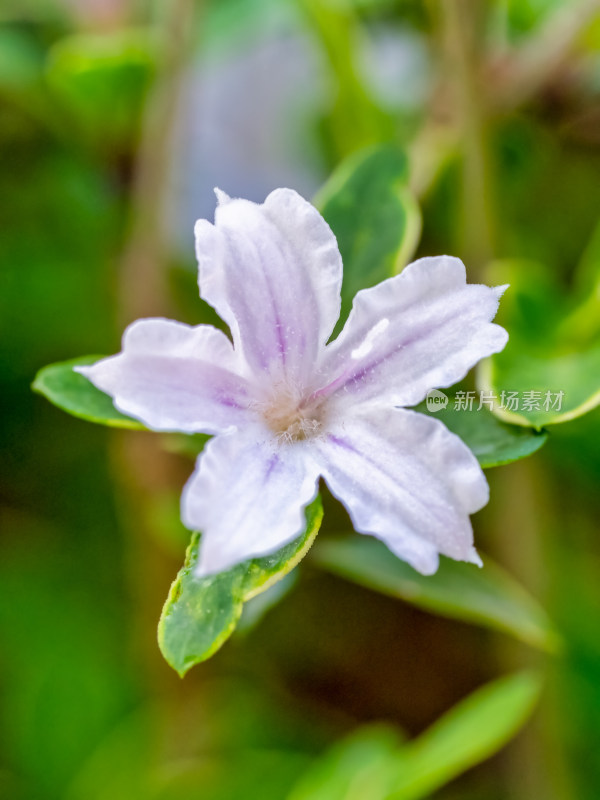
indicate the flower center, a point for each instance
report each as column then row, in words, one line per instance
column 290, row 421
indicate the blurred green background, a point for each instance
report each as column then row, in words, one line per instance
column 117, row 118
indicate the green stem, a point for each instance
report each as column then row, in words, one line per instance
column 521, row 518
column 143, row 470
column 142, row 284
column 460, row 26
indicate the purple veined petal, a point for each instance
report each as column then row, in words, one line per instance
column 273, row 272
column 174, row 377
column 405, row 479
column 247, row 497
column 421, row 329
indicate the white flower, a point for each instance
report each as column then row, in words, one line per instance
column 286, row 408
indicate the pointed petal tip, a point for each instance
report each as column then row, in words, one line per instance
column 86, row 370
column 474, row 558
column 499, row 290
column 222, row 197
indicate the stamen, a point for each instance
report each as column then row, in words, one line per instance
column 289, row 420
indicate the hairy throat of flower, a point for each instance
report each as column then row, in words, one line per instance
column 292, row 422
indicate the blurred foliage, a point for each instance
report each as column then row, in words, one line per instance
column 554, row 347
column 488, row 596
column 102, row 81
column 375, row 763
column 88, row 709
column 354, row 119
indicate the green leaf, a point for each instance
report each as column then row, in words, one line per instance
column 552, row 359
column 486, row 596
column 201, row 613
column 518, row 19
column 492, row 441
column 577, row 374
column 587, row 275
column 374, row 763
column 73, row 393
column 360, row 766
column 374, row 216
column 468, row 734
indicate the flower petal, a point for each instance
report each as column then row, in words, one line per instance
column 273, row 272
column 175, row 377
column 247, row 497
column 421, row 329
column 407, row 480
